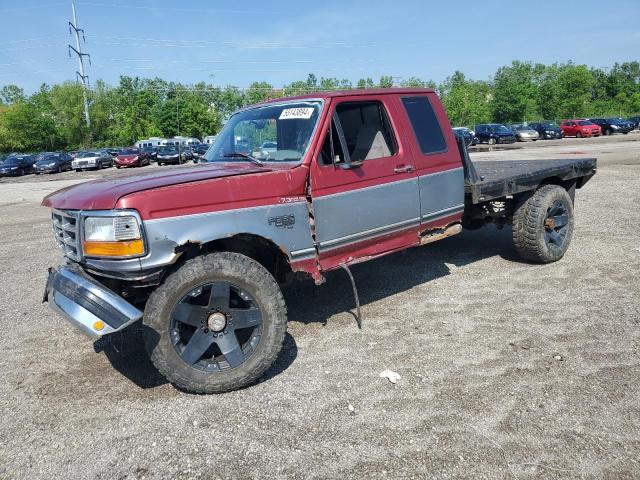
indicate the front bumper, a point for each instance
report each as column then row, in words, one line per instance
column 46, row 169
column 86, row 303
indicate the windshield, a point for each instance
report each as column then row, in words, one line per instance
column 51, row 157
column 12, row 160
column 613, row 121
column 584, row 123
column 168, row 150
column 501, row 129
column 129, row 151
column 288, row 127
column 550, row 125
column 87, row 154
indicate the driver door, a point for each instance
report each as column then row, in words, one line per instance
column 364, row 186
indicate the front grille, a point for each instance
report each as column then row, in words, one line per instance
column 66, row 230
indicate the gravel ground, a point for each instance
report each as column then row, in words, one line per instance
column 509, row 370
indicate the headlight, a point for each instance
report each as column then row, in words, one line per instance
column 615, row 127
column 117, row 236
column 14, row 168
column 134, row 158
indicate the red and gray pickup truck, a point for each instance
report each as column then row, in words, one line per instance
column 300, row 185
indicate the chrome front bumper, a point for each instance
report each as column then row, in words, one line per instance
column 87, row 304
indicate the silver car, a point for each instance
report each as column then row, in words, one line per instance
column 90, row 160
column 524, row 133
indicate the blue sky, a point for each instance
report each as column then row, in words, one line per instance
column 281, row 41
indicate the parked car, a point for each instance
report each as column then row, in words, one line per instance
column 579, row 128
column 170, row 155
column 199, row 151
column 524, row 133
column 547, row 130
column 635, row 121
column 132, row 157
column 187, row 152
column 610, row 126
column 16, row 165
column 92, row 160
column 268, row 147
column 53, row 163
column 466, row 135
column 493, row 133
column 151, row 151
column 113, row 151
column 198, row 256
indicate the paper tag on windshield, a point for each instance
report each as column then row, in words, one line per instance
column 296, row 113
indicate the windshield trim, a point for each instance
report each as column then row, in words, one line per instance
column 285, row 102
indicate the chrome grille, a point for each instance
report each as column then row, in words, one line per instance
column 66, row 231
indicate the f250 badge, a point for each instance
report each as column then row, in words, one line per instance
column 282, row 221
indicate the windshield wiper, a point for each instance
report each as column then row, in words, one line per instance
column 251, row 158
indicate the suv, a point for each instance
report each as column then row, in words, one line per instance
column 493, row 133
column 546, row 129
column 610, row 126
column 199, row 254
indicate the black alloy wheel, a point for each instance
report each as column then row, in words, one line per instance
column 555, row 224
column 216, row 326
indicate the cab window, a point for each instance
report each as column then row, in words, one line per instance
column 367, row 133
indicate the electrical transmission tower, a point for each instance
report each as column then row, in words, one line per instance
column 73, row 28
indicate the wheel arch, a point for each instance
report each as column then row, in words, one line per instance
column 261, row 249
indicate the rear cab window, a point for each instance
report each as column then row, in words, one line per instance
column 424, row 122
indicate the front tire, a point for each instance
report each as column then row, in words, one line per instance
column 578, row 135
column 216, row 324
column 491, row 141
column 543, row 225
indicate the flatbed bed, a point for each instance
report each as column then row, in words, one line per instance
column 491, row 180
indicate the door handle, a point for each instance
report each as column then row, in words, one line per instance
column 403, row 169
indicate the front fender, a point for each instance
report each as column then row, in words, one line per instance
column 286, row 225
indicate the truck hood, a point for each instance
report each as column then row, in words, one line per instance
column 104, row 194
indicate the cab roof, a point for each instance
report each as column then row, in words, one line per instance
column 353, row 92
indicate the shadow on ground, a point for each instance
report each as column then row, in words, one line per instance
column 393, row 274
column 308, row 303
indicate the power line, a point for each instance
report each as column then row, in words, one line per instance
column 78, row 51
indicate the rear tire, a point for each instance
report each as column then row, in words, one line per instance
column 201, row 366
column 607, row 132
column 543, row 225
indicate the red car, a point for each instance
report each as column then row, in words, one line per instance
column 580, row 128
column 132, row 157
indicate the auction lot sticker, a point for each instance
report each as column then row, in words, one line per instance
column 296, row 113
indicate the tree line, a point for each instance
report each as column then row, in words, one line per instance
column 52, row 117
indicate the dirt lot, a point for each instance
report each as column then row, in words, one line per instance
column 472, row 330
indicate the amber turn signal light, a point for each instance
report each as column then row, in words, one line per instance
column 113, row 249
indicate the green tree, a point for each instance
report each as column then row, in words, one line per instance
column 516, row 91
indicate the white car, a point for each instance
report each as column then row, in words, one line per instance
column 90, row 160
